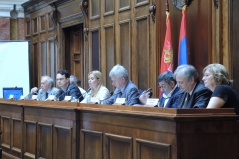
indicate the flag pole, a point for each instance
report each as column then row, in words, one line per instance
column 167, row 6
column 185, row 2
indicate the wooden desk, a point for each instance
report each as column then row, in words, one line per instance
column 62, row 130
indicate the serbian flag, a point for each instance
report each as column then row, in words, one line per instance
column 182, row 47
column 167, row 53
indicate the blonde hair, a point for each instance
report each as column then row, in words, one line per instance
column 98, row 76
column 220, row 73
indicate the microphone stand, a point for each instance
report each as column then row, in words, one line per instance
column 88, row 90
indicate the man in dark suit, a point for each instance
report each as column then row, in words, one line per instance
column 67, row 89
column 124, row 87
column 195, row 94
column 168, row 85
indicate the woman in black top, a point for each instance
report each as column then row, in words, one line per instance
column 216, row 78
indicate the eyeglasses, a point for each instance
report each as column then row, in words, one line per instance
column 60, row 79
column 162, row 86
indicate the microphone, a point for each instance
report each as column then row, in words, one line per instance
column 35, row 91
column 63, row 94
column 144, row 92
column 88, row 90
column 119, row 92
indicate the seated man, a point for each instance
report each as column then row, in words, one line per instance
column 74, row 80
column 168, row 86
column 45, row 90
column 67, row 89
column 124, row 87
column 195, row 94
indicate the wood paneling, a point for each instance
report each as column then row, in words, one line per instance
column 11, row 128
column 142, row 51
column 62, row 130
column 6, row 127
column 125, row 43
column 234, row 41
column 94, row 9
column 117, row 143
column 30, row 136
column 110, row 52
column 152, row 150
column 63, row 142
column 198, row 30
column 16, row 137
column 92, row 142
column 44, row 140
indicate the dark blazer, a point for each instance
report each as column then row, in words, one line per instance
column 130, row 93
column 172, row 102
column 72, row 91
column 199, row 98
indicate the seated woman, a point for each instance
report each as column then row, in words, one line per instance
column 98, row 92
column 216, row 78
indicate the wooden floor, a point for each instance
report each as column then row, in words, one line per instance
column 60, row 130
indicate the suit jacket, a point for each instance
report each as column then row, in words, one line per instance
column 130, row 93
column 172, row 102
column 72, row 91
column 199, row 98
column 42, row 94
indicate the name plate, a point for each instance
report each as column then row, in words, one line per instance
column 22, row 97
column 119, row 101
column 51, row 97
column 11, row 96
column 151, row 102
column 94, row 100
column 67, row 98
column 34, row 97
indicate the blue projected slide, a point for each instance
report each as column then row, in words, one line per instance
column 17, row 92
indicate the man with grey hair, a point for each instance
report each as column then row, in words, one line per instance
column 74, row 80
column 46, row 89
column 124, row 87
column 195, row 94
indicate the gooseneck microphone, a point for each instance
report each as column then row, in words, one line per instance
column 63, row 94
column 119, row 92
column 88, row 90
column 137, row 97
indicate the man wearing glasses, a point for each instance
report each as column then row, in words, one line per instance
column 67, row 89
column 167, row 84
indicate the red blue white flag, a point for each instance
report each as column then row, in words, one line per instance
column 182, row 47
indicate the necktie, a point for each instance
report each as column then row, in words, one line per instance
column 186, row 100
column 46, row 95
column 119, row 94
column 161, row 103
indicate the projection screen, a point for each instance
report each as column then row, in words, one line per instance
column 14, row 65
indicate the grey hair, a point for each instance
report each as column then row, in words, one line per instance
column 119, row 71
column 73, row 79
column 188, row 71
column 49, row 80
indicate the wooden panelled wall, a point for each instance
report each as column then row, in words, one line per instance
column 123, row 32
